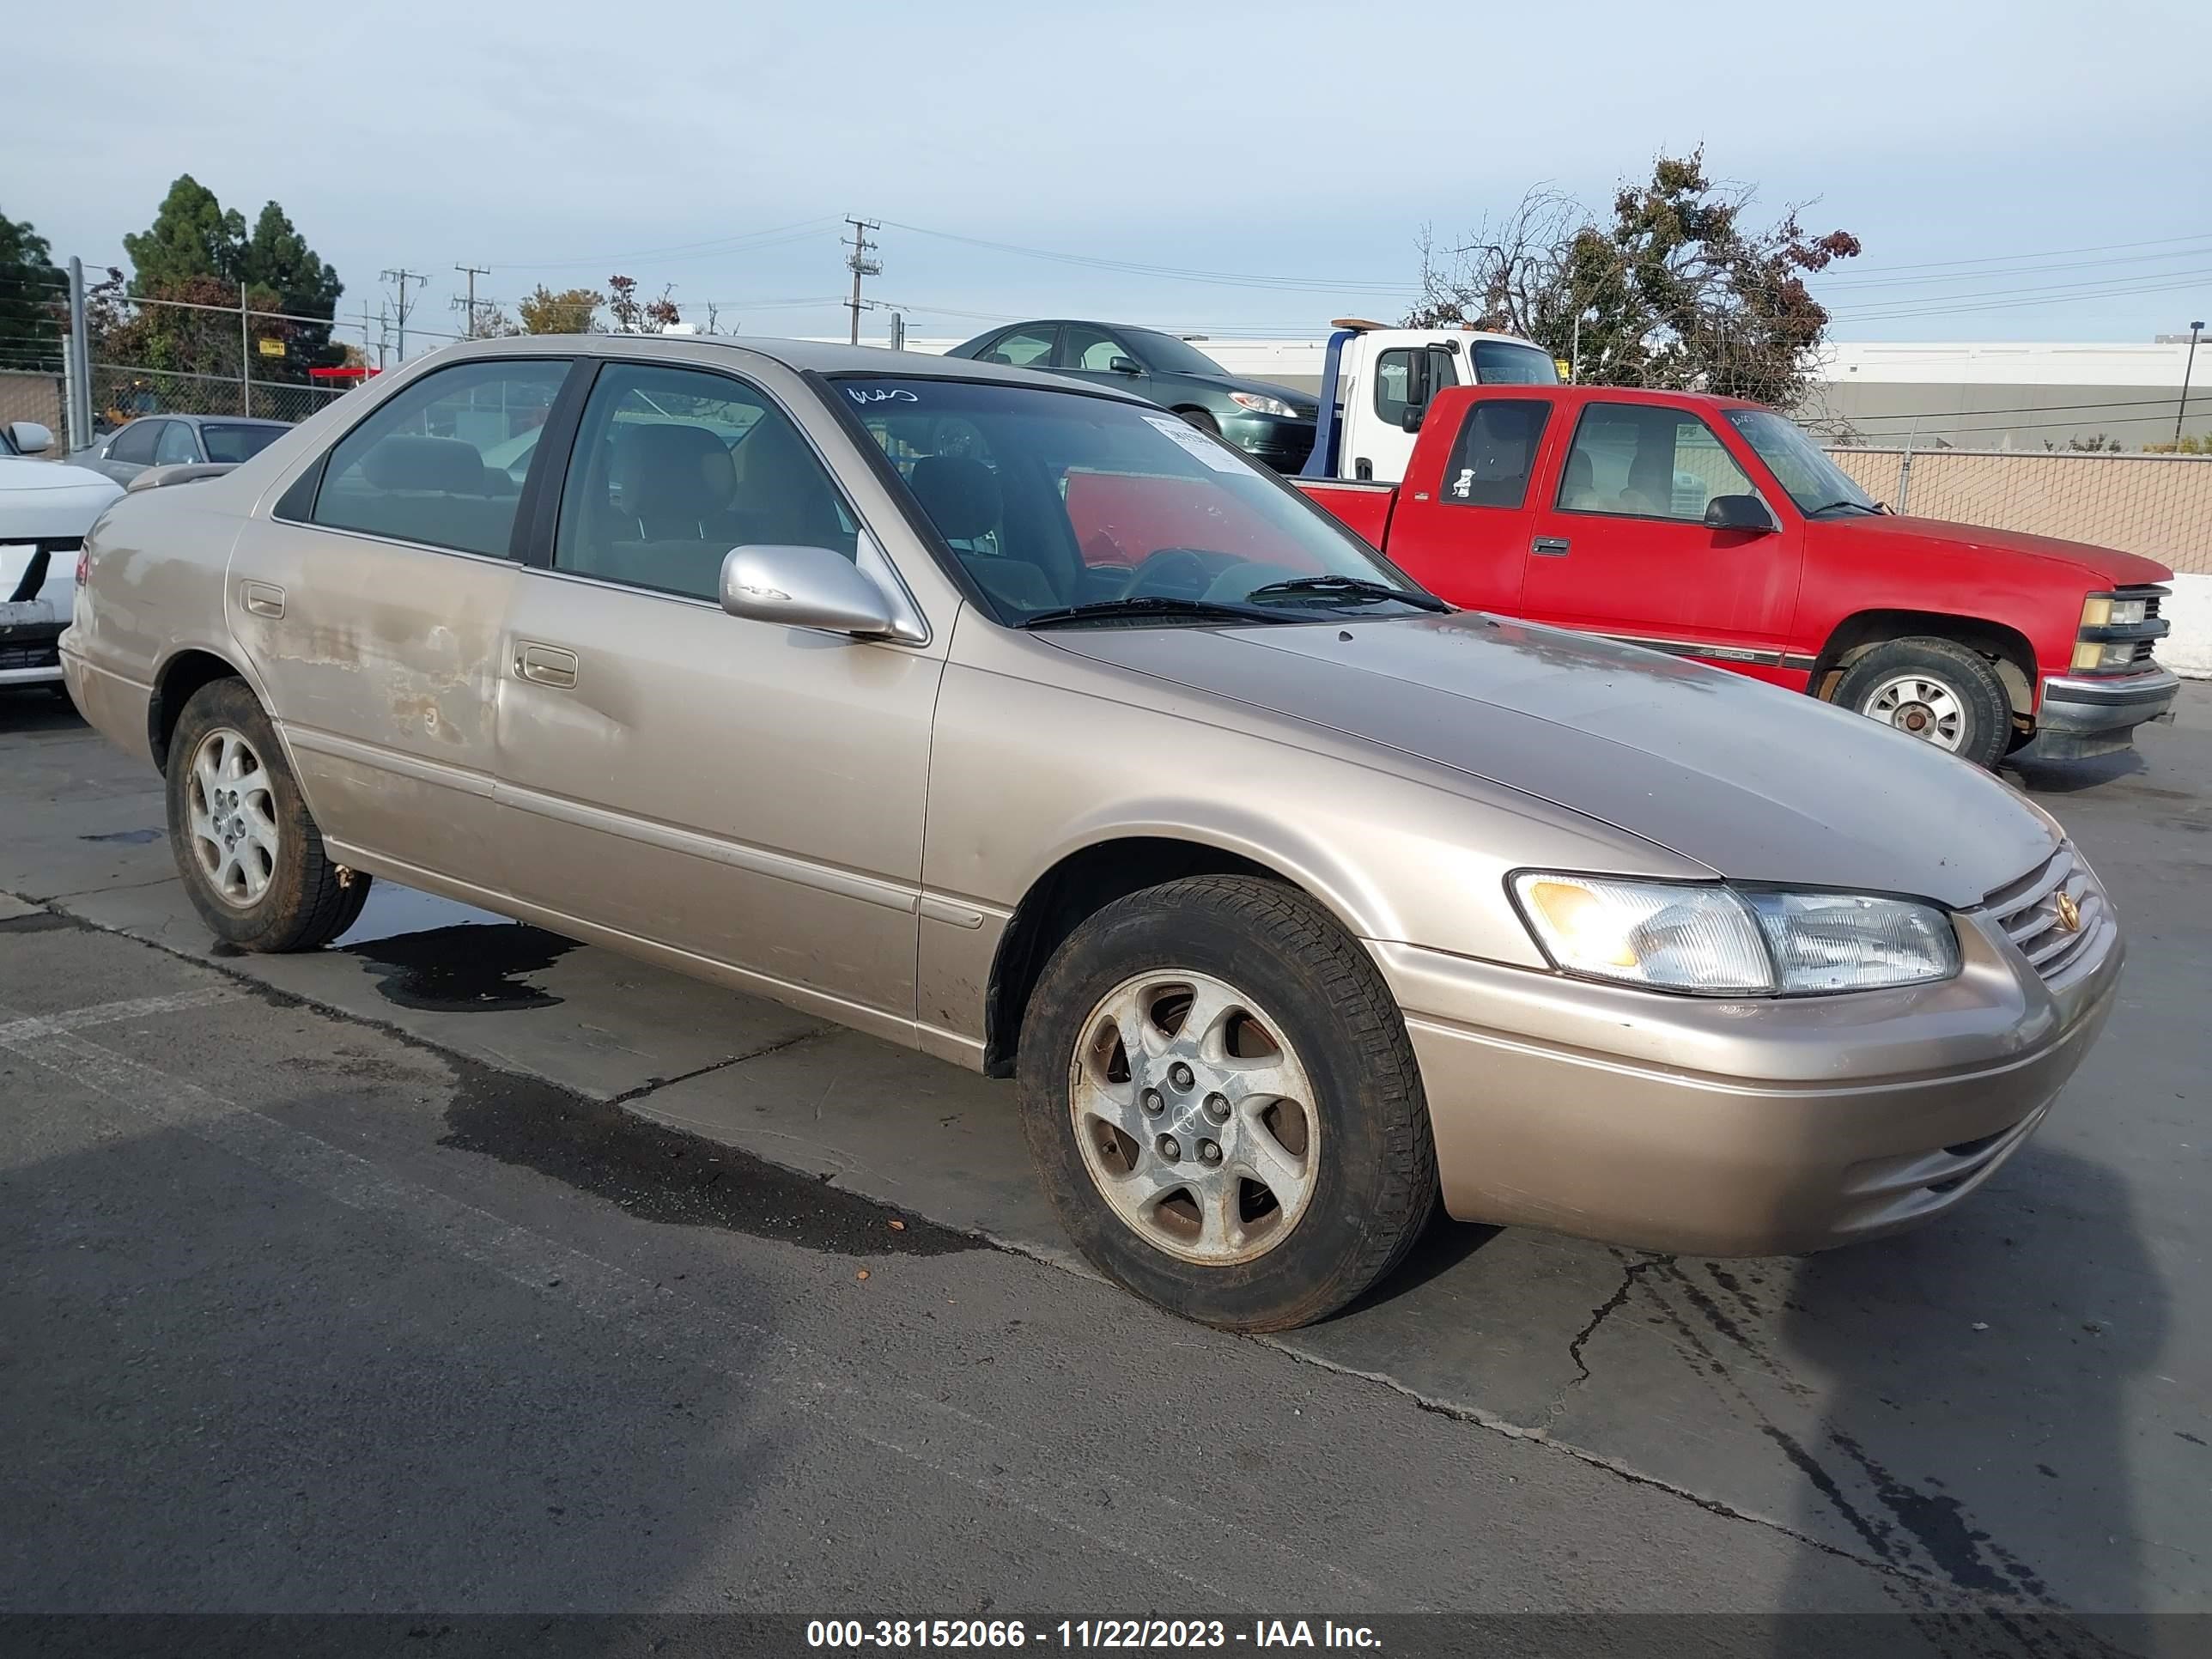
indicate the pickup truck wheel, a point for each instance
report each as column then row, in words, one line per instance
column 250, row 855
column 1221, row 1099
column 1935, row 690
column 1201, row 420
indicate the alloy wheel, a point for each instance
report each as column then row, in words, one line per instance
column 233, row 818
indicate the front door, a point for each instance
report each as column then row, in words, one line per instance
column 1623, row 548
column 748, row 793
column 372, row 603
column 1402, row 379
column 1089, row 353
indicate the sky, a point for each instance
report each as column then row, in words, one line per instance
column 2017, row 170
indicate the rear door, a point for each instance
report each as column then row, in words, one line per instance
column 372, row 603
column 1465, row 515
column 1622, row 549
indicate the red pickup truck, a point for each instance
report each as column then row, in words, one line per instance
column 1718, row 529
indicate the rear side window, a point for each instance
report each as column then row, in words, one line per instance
column 431, row 464
column 1409, row 377
column 1496, row 452
column 176, row 448
column 134, row 445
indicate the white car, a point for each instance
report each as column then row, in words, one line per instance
column 46, row 508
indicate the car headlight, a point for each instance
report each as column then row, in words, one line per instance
column 1717, row 941
column 2102, row 610
column 1259, row 404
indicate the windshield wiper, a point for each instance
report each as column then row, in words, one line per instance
column 1148, row 605
column 1355, row 590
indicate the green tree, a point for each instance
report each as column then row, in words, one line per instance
column 276, row 260
column 570, row 311
column 1674, row 291
column 33, row 300
column 191, row 235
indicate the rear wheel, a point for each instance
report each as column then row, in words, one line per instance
column 1935, row 690
column 1220, row 1096
column 250, row 855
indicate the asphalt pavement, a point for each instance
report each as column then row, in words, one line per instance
column 460, row 1268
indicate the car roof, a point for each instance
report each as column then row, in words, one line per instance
column 803, row 356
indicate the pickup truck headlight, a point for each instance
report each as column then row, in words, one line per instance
column 2102, row 610
column 1261, row 404
column 1716, row 941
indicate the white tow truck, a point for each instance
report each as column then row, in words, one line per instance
column 1377, row 382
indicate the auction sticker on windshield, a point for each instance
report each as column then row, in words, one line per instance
column 1196, row 443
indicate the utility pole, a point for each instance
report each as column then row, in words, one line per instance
column 2187, row 367
column 861, row 266
column 78, row 361
column 469, row 328
column 402, row 277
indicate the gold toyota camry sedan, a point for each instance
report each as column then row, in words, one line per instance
column 1014, row 721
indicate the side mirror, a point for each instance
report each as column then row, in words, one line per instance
column 1744, row 512
column 1124, row 366
column 804, row 587
column 1414, row 415
column 29, row 438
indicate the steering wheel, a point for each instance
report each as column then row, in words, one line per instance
column 1177, row 573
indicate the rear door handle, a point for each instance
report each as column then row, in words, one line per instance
column 547, row 664
column 261, row 599
column 1549, row 547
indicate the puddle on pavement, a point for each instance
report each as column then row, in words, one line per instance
column 393, row 909
column 662, row 1175
column 464, row 968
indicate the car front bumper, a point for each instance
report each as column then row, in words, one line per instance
column 30, row 653
column 2084, row 715
column 1280, row 445
column 1732, row 1127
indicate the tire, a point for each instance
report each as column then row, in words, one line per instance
column 1201, row 420
column 1353, row 1157
column 252, row 858
column 1936, row 689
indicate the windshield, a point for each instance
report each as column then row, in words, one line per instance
column 1054, row 499
column 1812, row 480
column 1496, row 363
column 1165, row 354
column 236, row 442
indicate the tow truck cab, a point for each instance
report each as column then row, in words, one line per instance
column 1378, row 384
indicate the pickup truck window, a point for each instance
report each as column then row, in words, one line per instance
column 1497, row 450
column 1409, row 377
column 1496, row 363
column 1646, row 461
column 1816, row 483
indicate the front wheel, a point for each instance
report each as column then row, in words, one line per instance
column 1201, row 420
column 250, row 855
column 1935, row 690
column 1221, row 1097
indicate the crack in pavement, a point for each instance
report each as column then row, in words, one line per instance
column 654, row 1085
column 1598, row 1314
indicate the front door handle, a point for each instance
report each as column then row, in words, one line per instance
column 1549, row 547
column 547, row 664
column 261, row 599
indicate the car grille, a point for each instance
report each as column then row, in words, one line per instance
column 44, row 654
column 2030, row 914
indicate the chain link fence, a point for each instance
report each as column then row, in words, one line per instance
column 2158, row 506
column 171, row 356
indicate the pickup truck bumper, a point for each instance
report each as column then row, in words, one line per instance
column 2081, row 716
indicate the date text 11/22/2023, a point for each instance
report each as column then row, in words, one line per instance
column 897, row 1634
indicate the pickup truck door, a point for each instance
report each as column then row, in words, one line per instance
column 1462, row 523
column 1621, row 547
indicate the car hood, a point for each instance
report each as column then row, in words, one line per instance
column 2103, row 564
column 41, row 499
column 1753, row 782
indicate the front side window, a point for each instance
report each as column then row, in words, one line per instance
column 1028, row 347
column 235, row 442
column 1496, row 452
column 1646, row 461
column 674, row 467
column 1499, row 362
column 176, row 448
column 1163, row 354
column 417, row 470
column 1410, row 378
column 1055, row 501
column 1093, row 348
column 1816, row 483
column 134, row 445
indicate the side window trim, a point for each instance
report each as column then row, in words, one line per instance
column 1559, row 488
column 537, row 516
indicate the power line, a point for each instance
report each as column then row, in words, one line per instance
column 745, row 241
column 469, row 316
column 1244, row 279
column 402, row 277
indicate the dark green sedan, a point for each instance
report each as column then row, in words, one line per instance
column 1274, row 424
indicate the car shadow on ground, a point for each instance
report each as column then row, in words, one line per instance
column 36, row 708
